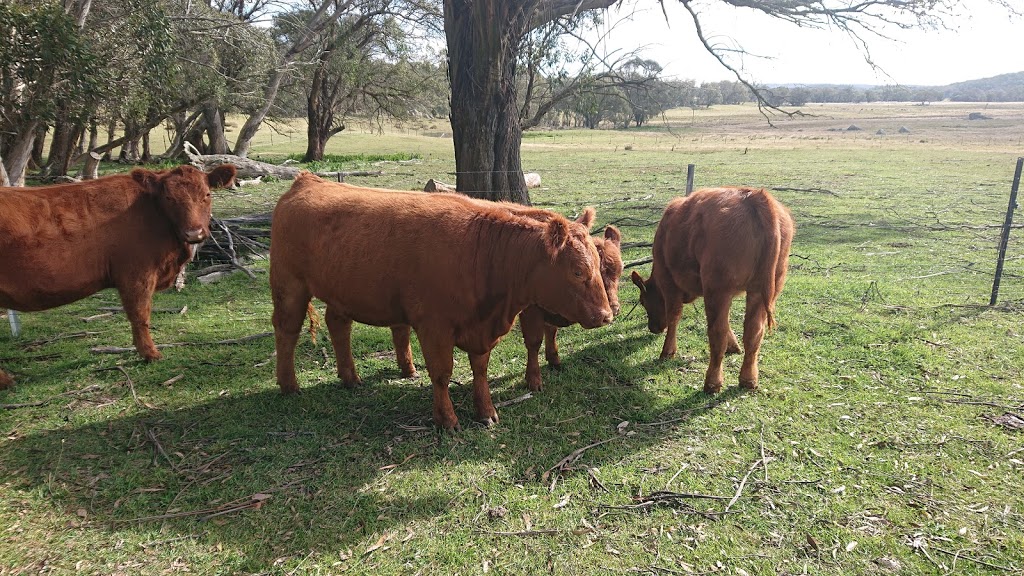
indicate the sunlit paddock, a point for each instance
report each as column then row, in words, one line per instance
column 879, row 441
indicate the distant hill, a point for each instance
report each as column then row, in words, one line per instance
column 1002, row 88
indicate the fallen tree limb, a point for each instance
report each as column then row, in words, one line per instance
column 44, row 402
column 250, row 169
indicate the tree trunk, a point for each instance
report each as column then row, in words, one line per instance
column 146, row 156
column 36, row 161
column 61, row 150
column 214, row 121
column 252, row 123
column 4, row 180
column 19, row 154
column 483, row 40
column 111, row 128
column 319, row 113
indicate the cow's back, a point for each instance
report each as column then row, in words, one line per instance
column 719, row 238
column 381, row 257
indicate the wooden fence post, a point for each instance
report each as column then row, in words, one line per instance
column 1005, row 236
column 689, row 178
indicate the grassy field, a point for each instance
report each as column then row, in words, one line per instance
column 877, row 443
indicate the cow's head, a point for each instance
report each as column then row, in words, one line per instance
column 570, row 283
column 653, row 302
column 609, row 250
column 183, row 195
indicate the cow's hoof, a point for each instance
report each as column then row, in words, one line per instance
column 748, row 384
column 488, row 421
column 554, row 362
column 152, row 356
column 733, row 348
column 290, row 390
column 534, row 384
column 350, row 382
column 5, row 380
column 410, row 373
column 712, row 387
column 667, row 355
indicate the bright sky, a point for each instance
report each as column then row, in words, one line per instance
column 986, row 43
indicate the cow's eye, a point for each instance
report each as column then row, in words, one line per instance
column 579, row 274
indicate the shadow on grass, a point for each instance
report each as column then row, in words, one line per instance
column 311, row 471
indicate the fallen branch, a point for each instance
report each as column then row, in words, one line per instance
column 522, row 398
column 640, row 262
column 739, row 489
column 519, row 533
column 817, row 190
column 972, row 559
column 254, row 502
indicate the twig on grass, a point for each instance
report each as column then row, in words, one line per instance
column 41, row 342
column 45, row 401
column 972, row 559
column 518, row 533
column 522, row 398
column 562, row 464
column 131, row 385
column 151, row 436
column 242, row 340
column 743, row 482
column 639, row 262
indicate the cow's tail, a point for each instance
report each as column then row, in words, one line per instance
column 771, row 247
column 314, row 321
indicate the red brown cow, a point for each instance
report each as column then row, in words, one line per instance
column 718, row 243
column 538, row 327
column 132, row 232
column 455, row 270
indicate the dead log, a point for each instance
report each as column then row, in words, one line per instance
column 253, row 169
column 438, row 186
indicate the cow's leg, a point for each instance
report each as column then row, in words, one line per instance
column 734, row 346
column 716, row 308
column 289, row 314
column 531, row 321
column 5, row 380
column 551, row 346
column 754, row 322
column 674, row 311
column 485, row 411
column 437, row 353
column 400, row 336
column 137, row 300
column 340, row 328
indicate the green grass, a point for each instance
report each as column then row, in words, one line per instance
column 875, row 414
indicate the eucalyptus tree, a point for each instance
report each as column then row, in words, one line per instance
column 485, row 36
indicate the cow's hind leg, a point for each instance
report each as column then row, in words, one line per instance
column 340, row 327
column 401, row 338
column 437, row 353
column 485, row 411
column 551, row 346
column 531, row 322
column 137, row 300
column 734, row 345
column 289, row 313
column 716, row 308
column 754, row 322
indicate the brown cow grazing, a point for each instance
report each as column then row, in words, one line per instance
column 132, row 232
column 538, row 327
column 718, row 243
column 456, row 270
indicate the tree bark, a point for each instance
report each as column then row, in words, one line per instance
column 37, row 147
column 61, row 149
column 320, row 112
column 4, row 179
column 146, row 155
column 19, row 154
column 214, row 122
column 483, row 40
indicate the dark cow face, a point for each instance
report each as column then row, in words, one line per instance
column 571, row 285
column 653, row 302
column 609, row 250
column 184, row 197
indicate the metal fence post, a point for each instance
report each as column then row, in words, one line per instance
column 12, row 317
column 1005, row 236
column 689, row 178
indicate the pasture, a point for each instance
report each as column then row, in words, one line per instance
column 878, row 442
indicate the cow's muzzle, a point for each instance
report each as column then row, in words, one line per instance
column 195, row 235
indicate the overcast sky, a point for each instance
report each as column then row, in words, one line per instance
column 986, row 43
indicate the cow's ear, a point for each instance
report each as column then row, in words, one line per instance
column 557, row 233
column 587, row 218
column 223, row 176
column 148, row 179
column 612, row 234
column 639, row 281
